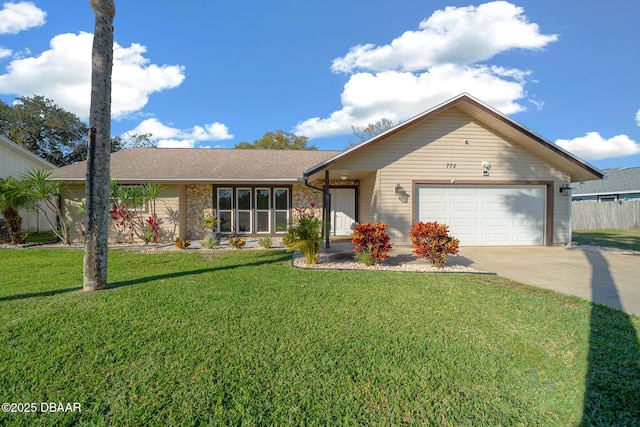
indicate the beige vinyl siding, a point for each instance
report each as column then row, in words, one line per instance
column 12, row 163
column 167, row 207
column 73, row 195
column 435, row 150
column 368, row 198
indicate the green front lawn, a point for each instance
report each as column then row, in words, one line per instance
column 622, row 239
column 243, row 338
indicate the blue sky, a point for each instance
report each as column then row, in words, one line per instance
column 211, row 74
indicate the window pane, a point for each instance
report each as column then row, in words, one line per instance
column 282, row 198
column 262, row 199
column 262, row 222
column 244, row 198
column 282, row 221
column 244, row 222
column 224, row 198
column 225, row 221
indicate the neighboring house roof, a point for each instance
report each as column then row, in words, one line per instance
column 23, row 152
column 202, row 165
column 578, row 169
column 616, row 181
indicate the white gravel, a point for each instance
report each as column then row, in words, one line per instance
column 325, row 262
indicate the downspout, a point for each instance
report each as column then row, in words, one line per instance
column 327, row 210
column 570, row 218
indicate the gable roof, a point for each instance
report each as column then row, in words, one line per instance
column 202, row 165
column 23, row 152
column 578, row 169
column 616, row 181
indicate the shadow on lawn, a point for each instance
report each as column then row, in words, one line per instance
column 612, row 394
column 267, row 258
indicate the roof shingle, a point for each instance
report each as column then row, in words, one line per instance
column 202, row 164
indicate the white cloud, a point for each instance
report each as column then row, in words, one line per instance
column 170, row 137
column 456, row 35
column 446, row 56
column 638, row 118
column 5, row 53
column 593, row 146
column 16, row 17
column 63, row 74
column 398, row 96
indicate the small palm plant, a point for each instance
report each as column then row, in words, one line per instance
column 305, row 235
column 14, row 196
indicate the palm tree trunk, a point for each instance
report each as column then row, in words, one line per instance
column 98, row 201
column 14, row 225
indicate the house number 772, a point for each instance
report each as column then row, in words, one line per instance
column 451, row 165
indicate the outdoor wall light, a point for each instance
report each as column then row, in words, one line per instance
column 565, row 190
column 343, row 177
column 401, row 193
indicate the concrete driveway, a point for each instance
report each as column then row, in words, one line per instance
column 607, row 278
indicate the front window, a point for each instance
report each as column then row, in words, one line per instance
column 250, row 210
column 225, row 210
column 243, row 221
column 281, row 196
column 263, row 210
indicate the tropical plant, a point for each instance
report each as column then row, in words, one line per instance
column 209, row 221
column 371, row 242
column 154, row 230
column 46, row 197
column 181, row 243
column 431, row 241
column 265, row 241
column 305, row 234
column 209, row 242
column 237, row 242
column 14, row 196
column 131, row 205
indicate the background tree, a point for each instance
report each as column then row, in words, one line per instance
column 13, row 197
column 98, row 200
column 49, row 131
column 42, row 127
column 364, row 133
column 279, row 140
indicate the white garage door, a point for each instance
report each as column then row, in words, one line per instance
column 486, row 216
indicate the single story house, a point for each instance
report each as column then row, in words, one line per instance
column 620, row 184
column 462, row 163
column 15, row 161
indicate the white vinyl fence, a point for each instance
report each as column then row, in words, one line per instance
column 588, row 215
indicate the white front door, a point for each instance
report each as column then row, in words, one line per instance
column 343, row 210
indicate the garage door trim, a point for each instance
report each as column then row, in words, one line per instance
column 548, row 231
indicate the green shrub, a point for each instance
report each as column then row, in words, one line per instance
column 210, row 242
column 305, row 235
column 265, row 241
column 431, row 240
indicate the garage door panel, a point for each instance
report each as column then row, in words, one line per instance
column 490, row 215
column 463, row 207
column 463, row 192
column 464, row 222
column 487, row 223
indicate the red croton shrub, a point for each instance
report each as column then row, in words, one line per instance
column 431, row 240
column 371, row 242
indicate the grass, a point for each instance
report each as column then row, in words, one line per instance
column 41, row 237
column 243, row 338
column 622, row 239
